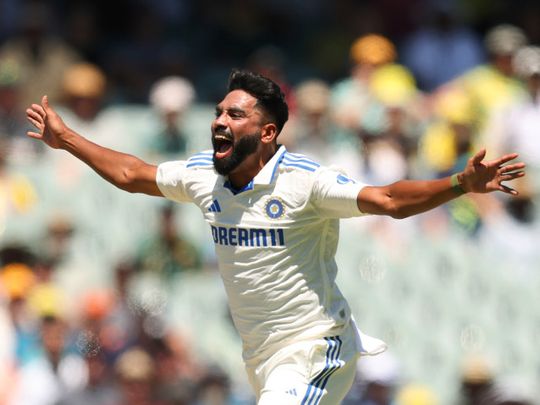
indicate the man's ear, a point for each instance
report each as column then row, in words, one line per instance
column 269, row 133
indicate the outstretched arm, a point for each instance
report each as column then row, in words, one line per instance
column 410, row 197
column 124, row 171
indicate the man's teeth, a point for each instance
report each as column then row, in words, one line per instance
column 223, row 138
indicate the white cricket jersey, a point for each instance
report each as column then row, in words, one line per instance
column 275, row 242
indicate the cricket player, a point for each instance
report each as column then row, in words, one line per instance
column 274, row 218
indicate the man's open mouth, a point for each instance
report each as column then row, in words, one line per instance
column 223, row 146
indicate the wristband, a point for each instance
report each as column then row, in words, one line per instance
column 456, row 187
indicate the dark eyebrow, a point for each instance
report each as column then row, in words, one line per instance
column 234, row 110
column 237, row 110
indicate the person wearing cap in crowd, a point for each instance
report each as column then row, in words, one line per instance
column 170, row 97
column 83, row 89
column 492, row 86
column 391, row 123
column 56, row 372
column 312, row 130
column 519, row 126
column 351, row 95
column 381, row 107
column 445, row 145
column 135, row 369
column 476, row 381
column 84, row 105
column 16, row 281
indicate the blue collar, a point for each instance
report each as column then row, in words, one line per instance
column 235, row 191
column 265, row 176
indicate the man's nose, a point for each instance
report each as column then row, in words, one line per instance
column 221, row 120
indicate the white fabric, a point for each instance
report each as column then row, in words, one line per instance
column 275, row 244
column 521, row 131
column 39, row 384
column 318, row 372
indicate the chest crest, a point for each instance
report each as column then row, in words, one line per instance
column 274, row 208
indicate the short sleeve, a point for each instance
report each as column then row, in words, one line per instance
column 335, row 195
column 170, row 180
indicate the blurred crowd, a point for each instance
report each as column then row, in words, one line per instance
column 383, row 91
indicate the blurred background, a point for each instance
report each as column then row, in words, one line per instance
column 108, row 298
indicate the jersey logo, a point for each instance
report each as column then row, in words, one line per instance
column 274, row 208
column 292, row 392
column 214, row 207
column 341, row 179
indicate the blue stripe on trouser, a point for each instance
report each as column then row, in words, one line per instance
column 317, row 385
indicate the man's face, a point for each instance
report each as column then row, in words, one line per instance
column 236, row 131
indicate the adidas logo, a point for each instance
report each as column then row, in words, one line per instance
column 214, row 207
column 291, row 392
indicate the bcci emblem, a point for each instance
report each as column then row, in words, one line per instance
column 274, row 208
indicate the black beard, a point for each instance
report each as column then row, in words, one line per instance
column 241, row 150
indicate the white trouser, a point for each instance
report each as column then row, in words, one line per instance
column 314, row 372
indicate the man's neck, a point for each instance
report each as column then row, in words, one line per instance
column 247, row 171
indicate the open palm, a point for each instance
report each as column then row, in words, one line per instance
column 485, row 177
column 50, row 127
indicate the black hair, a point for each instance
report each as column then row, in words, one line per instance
column 269, row 96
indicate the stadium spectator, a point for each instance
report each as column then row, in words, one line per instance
column 9, row 341
column 313, row 132
column 101, row 386
column 18, row 194
column 55, row 247
column 84, row 95
column 169, row 252
column 170, row 97
column 492, row 86
column 110, row 317
column 177, row 374
column 380, row 377
column 391, row 125
column 42, row 57
column 10, row 108
column 135, row 369
column 520, row 124
column 511, row 391
column 56, row 373
column 83, row 90
column 17, row 280
column 214, row 389
column 442, row 48
column 518, row 127
column 445, row 146
column 477, row 381
column 351, row 95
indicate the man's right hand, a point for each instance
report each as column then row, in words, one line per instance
column 51, row 128
column 125, row 171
